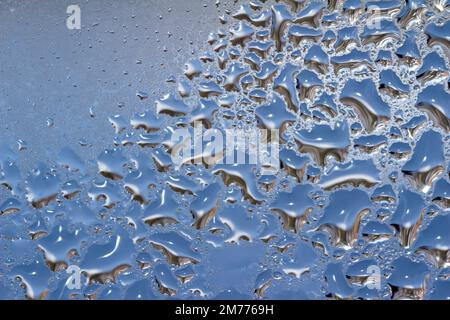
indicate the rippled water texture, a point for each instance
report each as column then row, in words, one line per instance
column 358, row 210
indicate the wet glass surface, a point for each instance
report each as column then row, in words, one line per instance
column 95, row 206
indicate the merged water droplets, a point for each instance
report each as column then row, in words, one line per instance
column 358, row 209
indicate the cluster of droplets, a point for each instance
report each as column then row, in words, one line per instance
column 363, row 115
